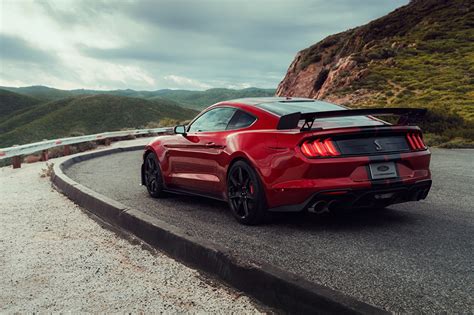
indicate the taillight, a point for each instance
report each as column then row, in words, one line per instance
column 415, row 141
column 319, row 148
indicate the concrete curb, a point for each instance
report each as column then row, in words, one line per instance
column 267, row 283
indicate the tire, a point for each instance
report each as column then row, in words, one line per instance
column 245, row 194
column 153, row 176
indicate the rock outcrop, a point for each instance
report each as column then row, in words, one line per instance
column 334, row 68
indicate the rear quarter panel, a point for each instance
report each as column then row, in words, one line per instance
column 252, row 146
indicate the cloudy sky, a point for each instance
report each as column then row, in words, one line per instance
column 149, row 45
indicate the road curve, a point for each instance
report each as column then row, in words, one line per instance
column 414, row 257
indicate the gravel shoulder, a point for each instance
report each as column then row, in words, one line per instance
column 53, row 257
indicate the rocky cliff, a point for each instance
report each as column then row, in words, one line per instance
column 421, row 54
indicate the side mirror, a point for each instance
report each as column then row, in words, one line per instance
column 180, row 129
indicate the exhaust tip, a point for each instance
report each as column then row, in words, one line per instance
column 319, row 207
column 418, row 195
column 333, row 205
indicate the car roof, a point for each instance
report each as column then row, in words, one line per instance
column 260, row 100
column 280, row 106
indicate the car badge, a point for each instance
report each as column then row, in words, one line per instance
column 378, row 147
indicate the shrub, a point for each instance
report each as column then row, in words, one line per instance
column 382, row 53
column 432, row 34
column 329, row 41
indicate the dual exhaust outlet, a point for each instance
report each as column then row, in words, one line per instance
column 327, row 206
column 323, row 206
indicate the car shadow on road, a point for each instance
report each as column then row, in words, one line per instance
column 364, row 219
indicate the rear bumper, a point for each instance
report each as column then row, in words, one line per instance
column 340, row 199
column 294, row 180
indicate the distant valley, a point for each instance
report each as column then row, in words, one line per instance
column 29, row 114
column 186, row 98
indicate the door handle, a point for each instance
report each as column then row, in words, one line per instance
column 213, row 145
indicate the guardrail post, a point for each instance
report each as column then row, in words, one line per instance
column 16, row 161
column 66, row 150
column 107, row 141
column 44, row 155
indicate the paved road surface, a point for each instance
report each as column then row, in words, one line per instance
column 410, row 257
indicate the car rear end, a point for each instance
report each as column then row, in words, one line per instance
column 338, row 165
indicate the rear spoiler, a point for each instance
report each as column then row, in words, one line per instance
column 407, row 116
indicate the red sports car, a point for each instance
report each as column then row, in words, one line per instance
column 292, row 154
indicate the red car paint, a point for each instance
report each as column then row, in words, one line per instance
column 198, row 161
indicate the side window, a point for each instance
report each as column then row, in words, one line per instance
column 240, row 120
column 216, row 119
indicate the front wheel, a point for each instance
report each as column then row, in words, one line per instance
column 245, row 194
column 153, row 176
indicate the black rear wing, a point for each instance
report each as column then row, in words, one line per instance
column 407, row 116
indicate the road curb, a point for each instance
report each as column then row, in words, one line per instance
column 267, row 283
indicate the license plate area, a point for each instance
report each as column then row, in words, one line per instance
column 383, row 170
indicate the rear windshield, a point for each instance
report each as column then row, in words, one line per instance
column 285, row 108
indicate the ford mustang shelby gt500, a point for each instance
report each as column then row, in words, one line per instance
column 292, row 154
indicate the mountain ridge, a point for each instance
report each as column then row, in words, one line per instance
column 189, row 98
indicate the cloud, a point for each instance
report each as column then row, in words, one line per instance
column 18, row 49
column 183, row 82
column 150, row 44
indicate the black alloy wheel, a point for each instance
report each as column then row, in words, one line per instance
column 245, row 194
column 153, row 177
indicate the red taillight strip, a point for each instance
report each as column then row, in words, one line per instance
column 319, row 148
column 331, row 148
column 410, row 140
column 416, row 143
column 305, row 148
column 420, row 140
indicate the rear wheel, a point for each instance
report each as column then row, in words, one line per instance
column 245, row 194
column 153, row 176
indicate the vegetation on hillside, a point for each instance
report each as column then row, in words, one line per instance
column 420, row 55
column 40, row 92
column 432, row 66
column 86, row 115
column 34, row 113
column 191, row 99
column 12, row 102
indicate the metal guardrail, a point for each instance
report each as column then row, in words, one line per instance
column 19, row 150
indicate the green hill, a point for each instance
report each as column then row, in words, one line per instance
column 126, row 92
column 187, row 98
column 86, row 115
column 420, row 55
column 13, row 102
column 43, row 93
column 201, row 99
column 34, row 113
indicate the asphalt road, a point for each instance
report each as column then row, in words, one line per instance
column 413, row 257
